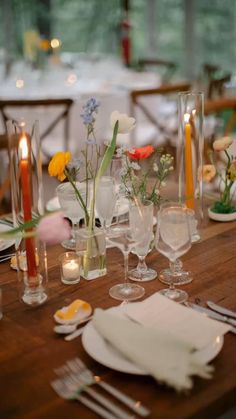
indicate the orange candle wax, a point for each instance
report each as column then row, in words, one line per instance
column 26, row 203
column 189, row 185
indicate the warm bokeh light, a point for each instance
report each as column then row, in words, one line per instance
column 55, row 43
column 71, row 79
column 20, row 83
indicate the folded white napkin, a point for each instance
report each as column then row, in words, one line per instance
column 166, row 357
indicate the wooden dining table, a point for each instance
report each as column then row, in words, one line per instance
column 30, row 350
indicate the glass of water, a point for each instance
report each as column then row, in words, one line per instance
column 106, row 201
column 142, row 214
column 173, row 239
column 72, row 208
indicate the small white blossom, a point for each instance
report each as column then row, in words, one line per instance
column 155, row 167
column 135, row 166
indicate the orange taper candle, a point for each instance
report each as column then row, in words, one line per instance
column 27, row 202
column 189, row 185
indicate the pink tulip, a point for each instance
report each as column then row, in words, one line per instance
column 53, row 228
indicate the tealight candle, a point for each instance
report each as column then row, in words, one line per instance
column 70, row 268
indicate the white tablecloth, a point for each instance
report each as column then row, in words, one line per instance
column 110, row 87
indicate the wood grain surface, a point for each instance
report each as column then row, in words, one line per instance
column 30, row 350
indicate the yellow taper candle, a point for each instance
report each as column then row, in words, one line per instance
column 189, row 185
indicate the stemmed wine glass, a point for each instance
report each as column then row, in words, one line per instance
column 70, row 204
column 115, row 171
column 173, row 239
column 182, row 277
column 105, row 201
column 127, row 238
column 142, row 272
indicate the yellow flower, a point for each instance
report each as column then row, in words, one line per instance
column 207, row 173
column 58, row 163
column 231, row 174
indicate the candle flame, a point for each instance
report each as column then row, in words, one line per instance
column 186, row 118
column 23, row 147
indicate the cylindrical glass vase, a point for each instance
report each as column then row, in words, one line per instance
column 190, row 154
column 28, row 204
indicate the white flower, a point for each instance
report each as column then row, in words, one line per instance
column 135, row 166
column 222, row 143
column 126, row 123
column 155, row 167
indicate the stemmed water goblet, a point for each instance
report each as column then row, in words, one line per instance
column 72, row 208
column 128, row 237
column 173, row 239
column 115, row 171
column 142, row 272
column 182, row 277
column 105, row 201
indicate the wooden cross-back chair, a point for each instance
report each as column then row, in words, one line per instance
column 226, row 106
column 216, row 86
column 60, row 111
column 5, row 182
column 214, row 80
column 139, row 103
column 167, row 68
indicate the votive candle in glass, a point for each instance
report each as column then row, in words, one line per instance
column 70, row 268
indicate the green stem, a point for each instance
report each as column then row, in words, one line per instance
column 78, row 195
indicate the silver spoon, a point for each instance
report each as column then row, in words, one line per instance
column 63, row 329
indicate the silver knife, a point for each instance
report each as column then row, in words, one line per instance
column 221, row 310
column 214, row 315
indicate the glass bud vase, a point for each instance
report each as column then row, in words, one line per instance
column 91, row 247
column 27, row 204
column 191, row 144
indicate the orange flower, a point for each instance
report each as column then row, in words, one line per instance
column 141, row 153
column 44, row 45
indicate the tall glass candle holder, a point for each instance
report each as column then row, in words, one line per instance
column 27, row 204
column 191, row 151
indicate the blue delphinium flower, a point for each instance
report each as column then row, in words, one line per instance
column 90, row 108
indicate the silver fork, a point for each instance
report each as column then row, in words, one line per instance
column 77, row 384
column 62, row 389
column 79, row 369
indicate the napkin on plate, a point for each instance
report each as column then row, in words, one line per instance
column 167, row 356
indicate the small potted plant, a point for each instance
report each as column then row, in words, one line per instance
column 223, row 209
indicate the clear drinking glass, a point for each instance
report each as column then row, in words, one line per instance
column 173, row 239
column 189, row 163
column 182, row 277
column 142, row 272
column 71, row 206
column 127, row 238
column 106, row 200
column 115, row 171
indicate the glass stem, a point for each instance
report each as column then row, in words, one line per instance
column 173, row 265
column 126, row 266
column 142, row 267
column 177, row 266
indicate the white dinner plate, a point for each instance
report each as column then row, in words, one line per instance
column 123, row 208
column 6, row 243
column 102, row 351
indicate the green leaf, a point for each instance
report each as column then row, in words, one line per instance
column 102, row 169
column 109, row 153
